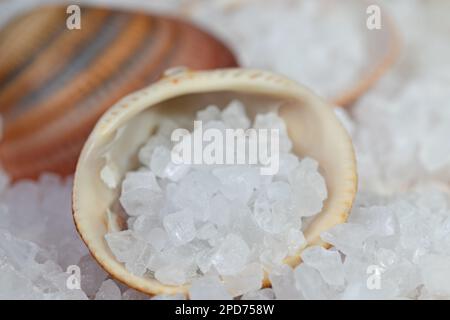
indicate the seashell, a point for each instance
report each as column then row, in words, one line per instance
column 120, row 132
column 55, row 82
column 382, row 46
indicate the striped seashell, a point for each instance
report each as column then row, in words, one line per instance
column 55, row 82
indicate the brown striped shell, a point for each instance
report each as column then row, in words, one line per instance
column 55, row 82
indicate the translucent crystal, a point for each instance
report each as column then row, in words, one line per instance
column 141, row 193
column 272, row 208
column 210, row 113
column 434, row 270
column 295, row 240
column 207, row 231
column 163, row 166
column 127, row 248
column 263, row 294
column 309, row 282
column 171, row 275
column 178, row 296
column 208, row 288
column 288, row 163
column 234, row 115
column 204, row 260
column 108, row 291
column 220, row 210
column 274, row 252
column 238, row 182
column 121, row 244
column 143, row 226
column 309, row 188
column 195, row 191
column 247, row 280
column 180, row 227
column 327, row 262
column 283, row 283
column 271, row 120
column 348, row 237
column 157, row 237
column 231, row 255
column 92, row 275
column 131, row 294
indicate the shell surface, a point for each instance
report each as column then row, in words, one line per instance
column 312, row 125
column 55, row 82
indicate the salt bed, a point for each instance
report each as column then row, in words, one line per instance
column 400, row 224
column 297, row 38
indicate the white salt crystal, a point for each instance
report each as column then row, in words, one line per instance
column 309, row 188
column 204, row 260
column 178, row 296
column 131, row 294
column 220, row 210
column 207, row 231
column 234, row 116
column 238, row 182
column 108, row 291
column 110, row 176
column 347, row 237
column 158, row 238
column 194, row 191
column 271, row 120
column 141, row 257
column 310, row 283
column 283, row 283
column 121, row 244
column 208, row 288
column 141, row 193
column 434, row 270
column 295, row 240
column 249, row 279
column 231, row 255
column 127, row 248
column 327, row 262
column 92, row 275
column 180, row 227
column 263, row 294
column 379, row 220
column 288, row 162
column 272, row 208
column 15, row 286
column 274, row 252
column 163, row 166
column 142, row 226
column 171, row 275
column 225, row 220
column 210, row 113
column 146, row 152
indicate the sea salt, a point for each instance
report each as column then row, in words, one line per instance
column 108, row 291
column 208, row 287
column 226, row 221
column 290, row 27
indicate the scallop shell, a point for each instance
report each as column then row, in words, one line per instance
column 311, row 122
column 55, row 82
